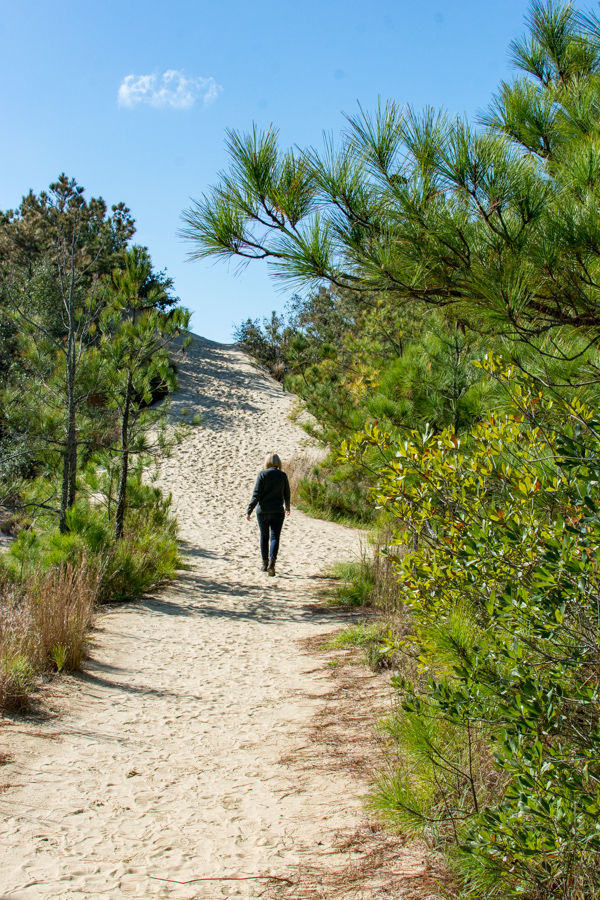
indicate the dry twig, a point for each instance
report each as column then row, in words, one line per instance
column 226, row 878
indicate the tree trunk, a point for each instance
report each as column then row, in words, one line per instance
column 64, row 497
column 120, row 510
column 72, row 448
column 69, row 476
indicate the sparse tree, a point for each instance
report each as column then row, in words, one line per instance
column 136, row 336
column 52, row 253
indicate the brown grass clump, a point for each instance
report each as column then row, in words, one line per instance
column 387, row 593
column 301, row 467
column 44, row 621
column 62, row 603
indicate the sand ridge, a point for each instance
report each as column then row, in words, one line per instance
column 167, row 763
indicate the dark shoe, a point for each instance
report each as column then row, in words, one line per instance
column 271, row 569
column 265, row 565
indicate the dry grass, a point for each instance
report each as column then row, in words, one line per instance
column 17, row 647
column 387, row 593
column 301, row 467
column 62, row 603
column 44, row 623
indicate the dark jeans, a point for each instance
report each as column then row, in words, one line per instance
column 273, row 523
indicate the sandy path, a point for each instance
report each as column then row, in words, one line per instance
column 166, row 761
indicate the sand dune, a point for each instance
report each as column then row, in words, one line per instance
column 164, row 764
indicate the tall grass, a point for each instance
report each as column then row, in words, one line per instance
column 371, row 579
column 353, row 583
column 326, row 490
column 61, row 603
column 371, row 582
column 17, row 647
column 44, row 623
column 51, row 582
column 299, row 468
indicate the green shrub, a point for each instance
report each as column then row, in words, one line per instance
column 146, row 556
column 372, row 639
column 497, row 736
column 355, row 583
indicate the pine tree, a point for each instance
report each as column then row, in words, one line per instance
column 136, row 335
column 500, row 221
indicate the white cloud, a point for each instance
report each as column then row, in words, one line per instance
column 171, row 89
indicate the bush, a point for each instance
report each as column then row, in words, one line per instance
column 146, row 556
column 497, row 737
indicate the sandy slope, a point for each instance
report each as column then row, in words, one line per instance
column 166, row 758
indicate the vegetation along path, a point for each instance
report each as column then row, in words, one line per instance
column 166, row 759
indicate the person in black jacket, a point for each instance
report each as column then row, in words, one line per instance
column 271, row 497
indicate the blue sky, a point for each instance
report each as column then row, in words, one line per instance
column 297, row 65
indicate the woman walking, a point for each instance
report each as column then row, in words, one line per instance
column 271, row 497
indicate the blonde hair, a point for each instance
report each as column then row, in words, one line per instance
column 272, row 461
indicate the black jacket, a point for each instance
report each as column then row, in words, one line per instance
column 271, row 492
